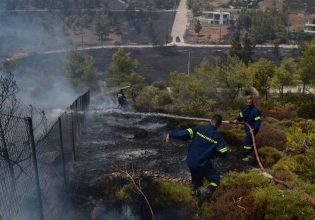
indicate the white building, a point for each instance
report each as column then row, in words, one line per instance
column 310, row 25
column 216, row 17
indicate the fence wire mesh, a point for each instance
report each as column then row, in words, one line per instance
column 31, row 167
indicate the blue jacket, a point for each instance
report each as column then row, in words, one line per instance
column 252, row 116
column 206, row 143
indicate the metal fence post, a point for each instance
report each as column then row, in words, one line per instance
column 73, row 139
column 39, row 196
column 7, row 158
column 62, row 151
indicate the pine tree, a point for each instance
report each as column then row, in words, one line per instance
column 247, row 51
column 198, row 27
column 236, row 46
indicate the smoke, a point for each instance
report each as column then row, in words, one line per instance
column 28, row 32
column 42, row 86
column 39, row 78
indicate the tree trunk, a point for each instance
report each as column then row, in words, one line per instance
column 304, row 85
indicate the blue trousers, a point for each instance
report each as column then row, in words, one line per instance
column 207, row 172
column 248, row 143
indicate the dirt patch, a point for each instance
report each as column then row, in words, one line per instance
column 297, row 21
column 234, row 202
column 209, row 34
column 269, row 4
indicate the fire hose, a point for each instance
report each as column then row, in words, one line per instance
column 266, row 173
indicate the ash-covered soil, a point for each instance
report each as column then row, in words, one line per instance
column 111, row 139
column 114, row 140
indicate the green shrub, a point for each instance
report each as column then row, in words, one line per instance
column 285, row 168
column 201, row 107
column 147, row 99
column 279, row 203
column 159, row 84
column 301, row 138
column 269, row 155
column 173, row 193
column 297, row 166
column 252, row 178
column 307, row 165
column 152, row 99
column 164, row 98
column 298, row 98
column 307, row 111
column 283, row 204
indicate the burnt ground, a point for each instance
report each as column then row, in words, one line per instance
column 112, row 139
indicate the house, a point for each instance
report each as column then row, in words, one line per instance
column 216, row 17
column 310, row 25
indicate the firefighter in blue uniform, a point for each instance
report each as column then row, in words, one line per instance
column 250, row 115
column 206, row 143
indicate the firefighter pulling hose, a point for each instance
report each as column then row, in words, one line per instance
column 209, row 172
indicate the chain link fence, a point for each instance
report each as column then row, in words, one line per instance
column 34, row 173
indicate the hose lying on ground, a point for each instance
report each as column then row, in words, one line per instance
column 268, row 175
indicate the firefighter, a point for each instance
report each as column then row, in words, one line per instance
column 121, row 98
column 206, row 143
column 133, row 93
column 250, row 115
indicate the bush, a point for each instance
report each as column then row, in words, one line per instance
column 283, row 204
column 275, row 201
column 300, row 166
column 164, row 98
column 159, row 84
column 285, row 123
column 301, row 138
column 307, row 111
column 285, row 168
column 235, row 105
column 298, row 98
column 269, row 155
column 201, row 107
column 252, row 179
column 279, row 111
column 152, row 99
column 272, row 136
column 147, row 100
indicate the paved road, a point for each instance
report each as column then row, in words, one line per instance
column 180, row 22
column 131, row 46
column 83, row 10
